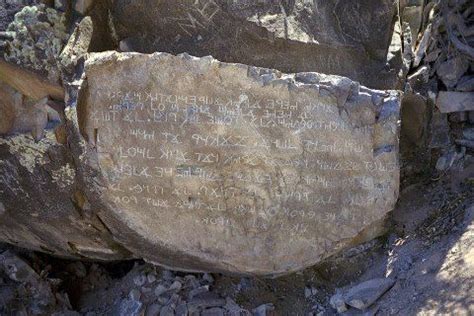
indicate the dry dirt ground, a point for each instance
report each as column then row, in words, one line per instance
column 429, row 251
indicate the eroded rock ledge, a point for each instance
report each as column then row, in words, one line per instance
column 201, row 165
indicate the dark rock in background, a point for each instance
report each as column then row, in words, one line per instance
column 335, row 37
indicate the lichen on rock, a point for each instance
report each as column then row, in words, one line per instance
column 38, row 33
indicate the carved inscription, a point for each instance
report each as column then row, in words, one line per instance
column 218, row 157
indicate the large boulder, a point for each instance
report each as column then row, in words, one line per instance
column 348, row 38
column 201, row 165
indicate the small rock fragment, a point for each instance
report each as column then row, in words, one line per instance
column 167, row 311
column 421, row 49
column 160, row 289
column 337, row 302
column 450, row 101
column 197, row 291
column 151, row 277
column 310, row 291
column 451, row 70
column 134, row 294
column 216, row 311
column 181, row 309
column 167, row 275
column 153, row 310
column 201, row 303
column 366, row 293
column 17, row 269
column 208, row 278
column 468, row 133
column 263, row 310
column 82, row 6
column 129, row 307
column 176, row 286
column 439, row 131
column 139, row 280
column 465, row 143
column 466, row 84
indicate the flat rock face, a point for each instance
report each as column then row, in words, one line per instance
column 204, row 165
column 349, row 38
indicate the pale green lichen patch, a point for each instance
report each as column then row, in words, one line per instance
column 29, row 152
column 64, row 176
column 39, row 34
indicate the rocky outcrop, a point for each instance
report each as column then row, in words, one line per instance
column 335, row 37
column 205, row 166
column 190, row 162
column 262, row 173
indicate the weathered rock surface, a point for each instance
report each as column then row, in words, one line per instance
column 335, row 37
column 202, row 165
column 450, row 101
column 366, row 293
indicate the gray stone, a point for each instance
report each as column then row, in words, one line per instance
column 208, row 278
column 167, row 311
column 468, row 133
column 471, row 116
column 215, row 311
column 366, row 293
column 175, row 287
column 413, row 16
column 465, row 143
column 128, row 307
column 77, row 46
column 451, row 70
column 263, row 310
column 134, row 294
column 201, row 303
column 83, row 6
column 337, row 302
column 450, row 101
column 61, row 5
column 334, row 37
column 182, row 309
column 151, row 277
column 233, row 308
column 167, row 275
column 416, row 113
column 196, row 292
column 310, row 291
column 153, row 310
column 439, row 131
column 458, row 117
column 272, row 172
column 139, row 280
column 160, row 289
column 442, row 163
column 17, row 269
column 466, row 84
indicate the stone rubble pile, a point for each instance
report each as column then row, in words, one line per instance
column 439, row 53
column 144, row 290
